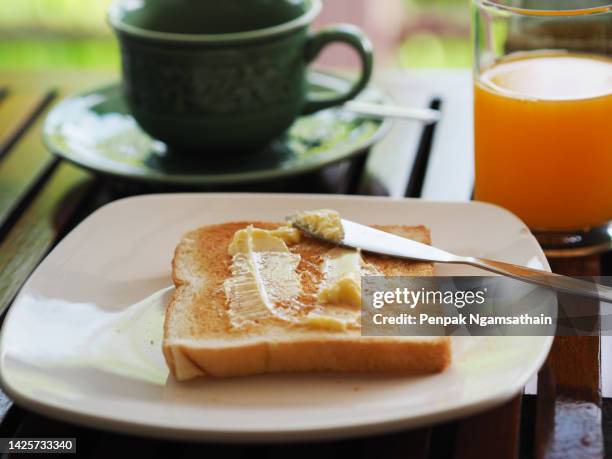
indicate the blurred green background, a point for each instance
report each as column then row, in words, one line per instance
column 44, row 34
column 436, row 34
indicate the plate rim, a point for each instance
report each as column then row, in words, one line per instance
column 364, row 428
column 334, row 155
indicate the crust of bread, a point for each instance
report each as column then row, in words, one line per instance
column 198, row 340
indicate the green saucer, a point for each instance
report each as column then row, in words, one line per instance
column 95, row 130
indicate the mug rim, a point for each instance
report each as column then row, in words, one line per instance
column 115, row 20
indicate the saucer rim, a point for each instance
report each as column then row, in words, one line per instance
column 332, row 156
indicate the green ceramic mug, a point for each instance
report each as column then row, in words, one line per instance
column 224, row 75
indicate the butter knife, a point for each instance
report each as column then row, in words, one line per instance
column 368, row 239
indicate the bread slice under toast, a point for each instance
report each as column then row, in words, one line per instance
column 200, row 341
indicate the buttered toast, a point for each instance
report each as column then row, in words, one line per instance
column 237, row 311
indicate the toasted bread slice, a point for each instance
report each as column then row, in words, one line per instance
column 199, row 339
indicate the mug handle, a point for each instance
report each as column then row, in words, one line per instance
column 355, row 38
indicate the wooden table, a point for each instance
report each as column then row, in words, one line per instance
column 42, row 198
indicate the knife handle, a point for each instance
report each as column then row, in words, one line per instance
column 543, row 278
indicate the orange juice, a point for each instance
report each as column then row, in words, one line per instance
column 543, row 138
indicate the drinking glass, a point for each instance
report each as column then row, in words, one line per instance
column 543, row 117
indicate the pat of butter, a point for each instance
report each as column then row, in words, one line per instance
column 342, row 282
column 323, row 223
column 326, row 322
column 260, row 240
column 287, row 233
column 264, row 273
column 346, row 290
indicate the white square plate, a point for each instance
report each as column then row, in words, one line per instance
column 79, row 343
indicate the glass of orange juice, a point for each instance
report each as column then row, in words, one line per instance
column 543, row 117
